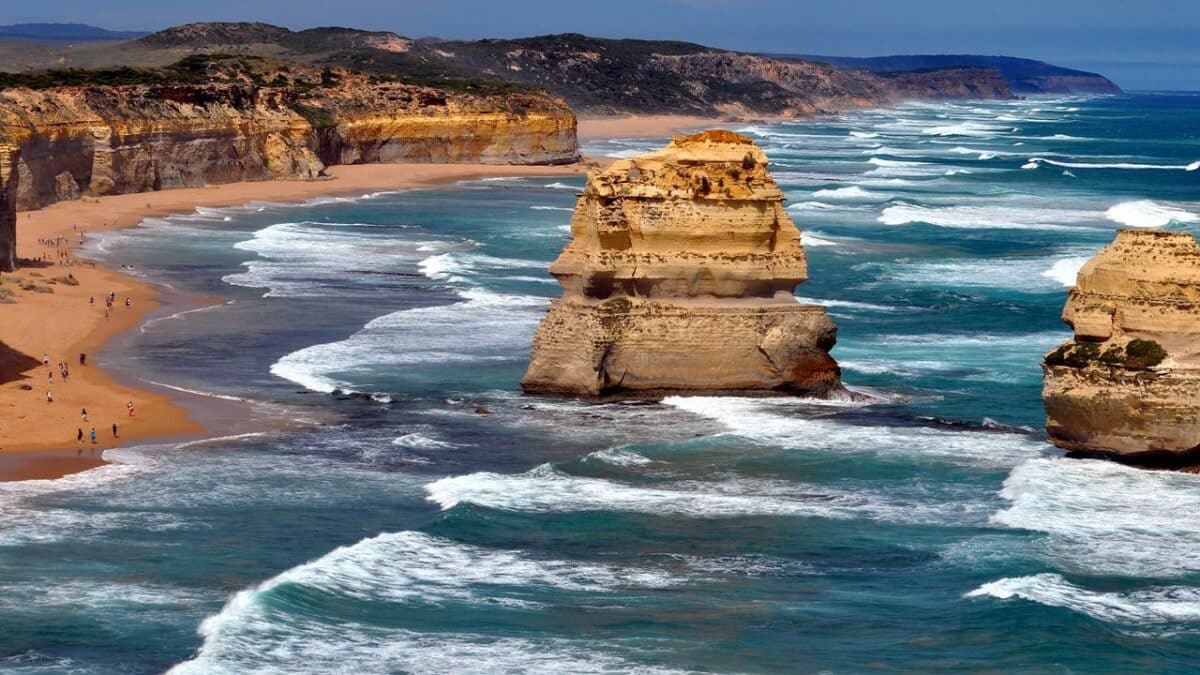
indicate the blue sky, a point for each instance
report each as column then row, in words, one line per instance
column 1141, row 44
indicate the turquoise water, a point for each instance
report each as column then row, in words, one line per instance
column 932, row 530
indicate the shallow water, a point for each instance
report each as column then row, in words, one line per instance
column 934, row 529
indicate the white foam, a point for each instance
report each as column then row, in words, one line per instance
column 306, row 259
column 773, row 422
column 1156, row 605
column 987, row 217
column 257, row 631
column 419, row 337
column 1066, row 270
column 812, row 240
column 849, row 304
column 419, row 441
column 851, row 193
column 1146, row 213
column 864, row 134
column 975, row 129
column 1101, row 517
column 561, row 186
column 544, row 489
column 551, row 208
column 811, row 206
column 619, row 457
column 1034, row 162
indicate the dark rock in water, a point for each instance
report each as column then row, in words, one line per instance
column 482, row 410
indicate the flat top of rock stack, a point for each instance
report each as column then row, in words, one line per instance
column 1145, row 255
column 671, row 171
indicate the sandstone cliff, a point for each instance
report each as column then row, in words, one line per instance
column 61, row 142
column 1128, row 384
column 679, row 277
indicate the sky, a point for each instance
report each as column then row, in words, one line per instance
column 1141, row 44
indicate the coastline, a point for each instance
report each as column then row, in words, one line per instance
column 646, row 126
column 38, row 438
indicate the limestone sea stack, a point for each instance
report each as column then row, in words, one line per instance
column 679, row 278
column 1128, row 385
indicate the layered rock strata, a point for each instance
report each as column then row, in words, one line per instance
column 679, row 278
column 59, row 143
column 1127, row 385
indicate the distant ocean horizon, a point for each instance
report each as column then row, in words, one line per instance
column 392, row 528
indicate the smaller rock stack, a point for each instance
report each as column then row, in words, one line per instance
column 679, row 278
column 1128, row 385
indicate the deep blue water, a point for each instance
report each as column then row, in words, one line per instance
column 934, row 530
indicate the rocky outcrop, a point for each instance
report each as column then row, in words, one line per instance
column 1023, row 76
column 61, row 142
column 943, row 83
column 1128, row 385
column 8, row 206
column 679, row 277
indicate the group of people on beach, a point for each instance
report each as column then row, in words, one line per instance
column 109, row 301
column 64, row 369
column 62, row 252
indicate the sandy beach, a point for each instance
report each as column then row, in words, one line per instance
column 58, row 312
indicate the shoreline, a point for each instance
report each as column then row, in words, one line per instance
column 38, row 438
column 648, row 126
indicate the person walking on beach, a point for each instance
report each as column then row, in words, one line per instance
column 83, row 414
column 130, row 406
column 93, row 435
column 79, row 435
column 114, row 430
column 49, row 397
column 46, row 360
column 82, row 359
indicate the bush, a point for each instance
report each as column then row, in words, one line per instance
column 1142, row 354
column 1113, row 356
column 1074, row 355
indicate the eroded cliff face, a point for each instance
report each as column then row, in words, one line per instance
column 57, row 144
column 1128, row 384
column 679, row 277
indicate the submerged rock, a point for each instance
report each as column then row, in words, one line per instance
column 1128, row 385
column 679, row 278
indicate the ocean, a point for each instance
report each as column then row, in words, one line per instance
column 381, row 523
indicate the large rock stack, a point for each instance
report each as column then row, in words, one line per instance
column 679, row 278
column 1128, row 385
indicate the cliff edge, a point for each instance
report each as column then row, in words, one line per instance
column 1128, row 385
column 219, row 120
column 679, row 278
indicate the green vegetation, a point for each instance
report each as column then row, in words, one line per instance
column 1142, row 354
column 1074, row 355
column 1137, row 355
column 319, row 118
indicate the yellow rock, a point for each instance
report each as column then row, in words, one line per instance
column 679, row 278
column 1128, row 385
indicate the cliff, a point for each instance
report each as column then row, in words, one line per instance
column 679, row 277
column 1128, row 385
column 59, row 143
column 1023, row 76
column 596, row 76
column 600, row 77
